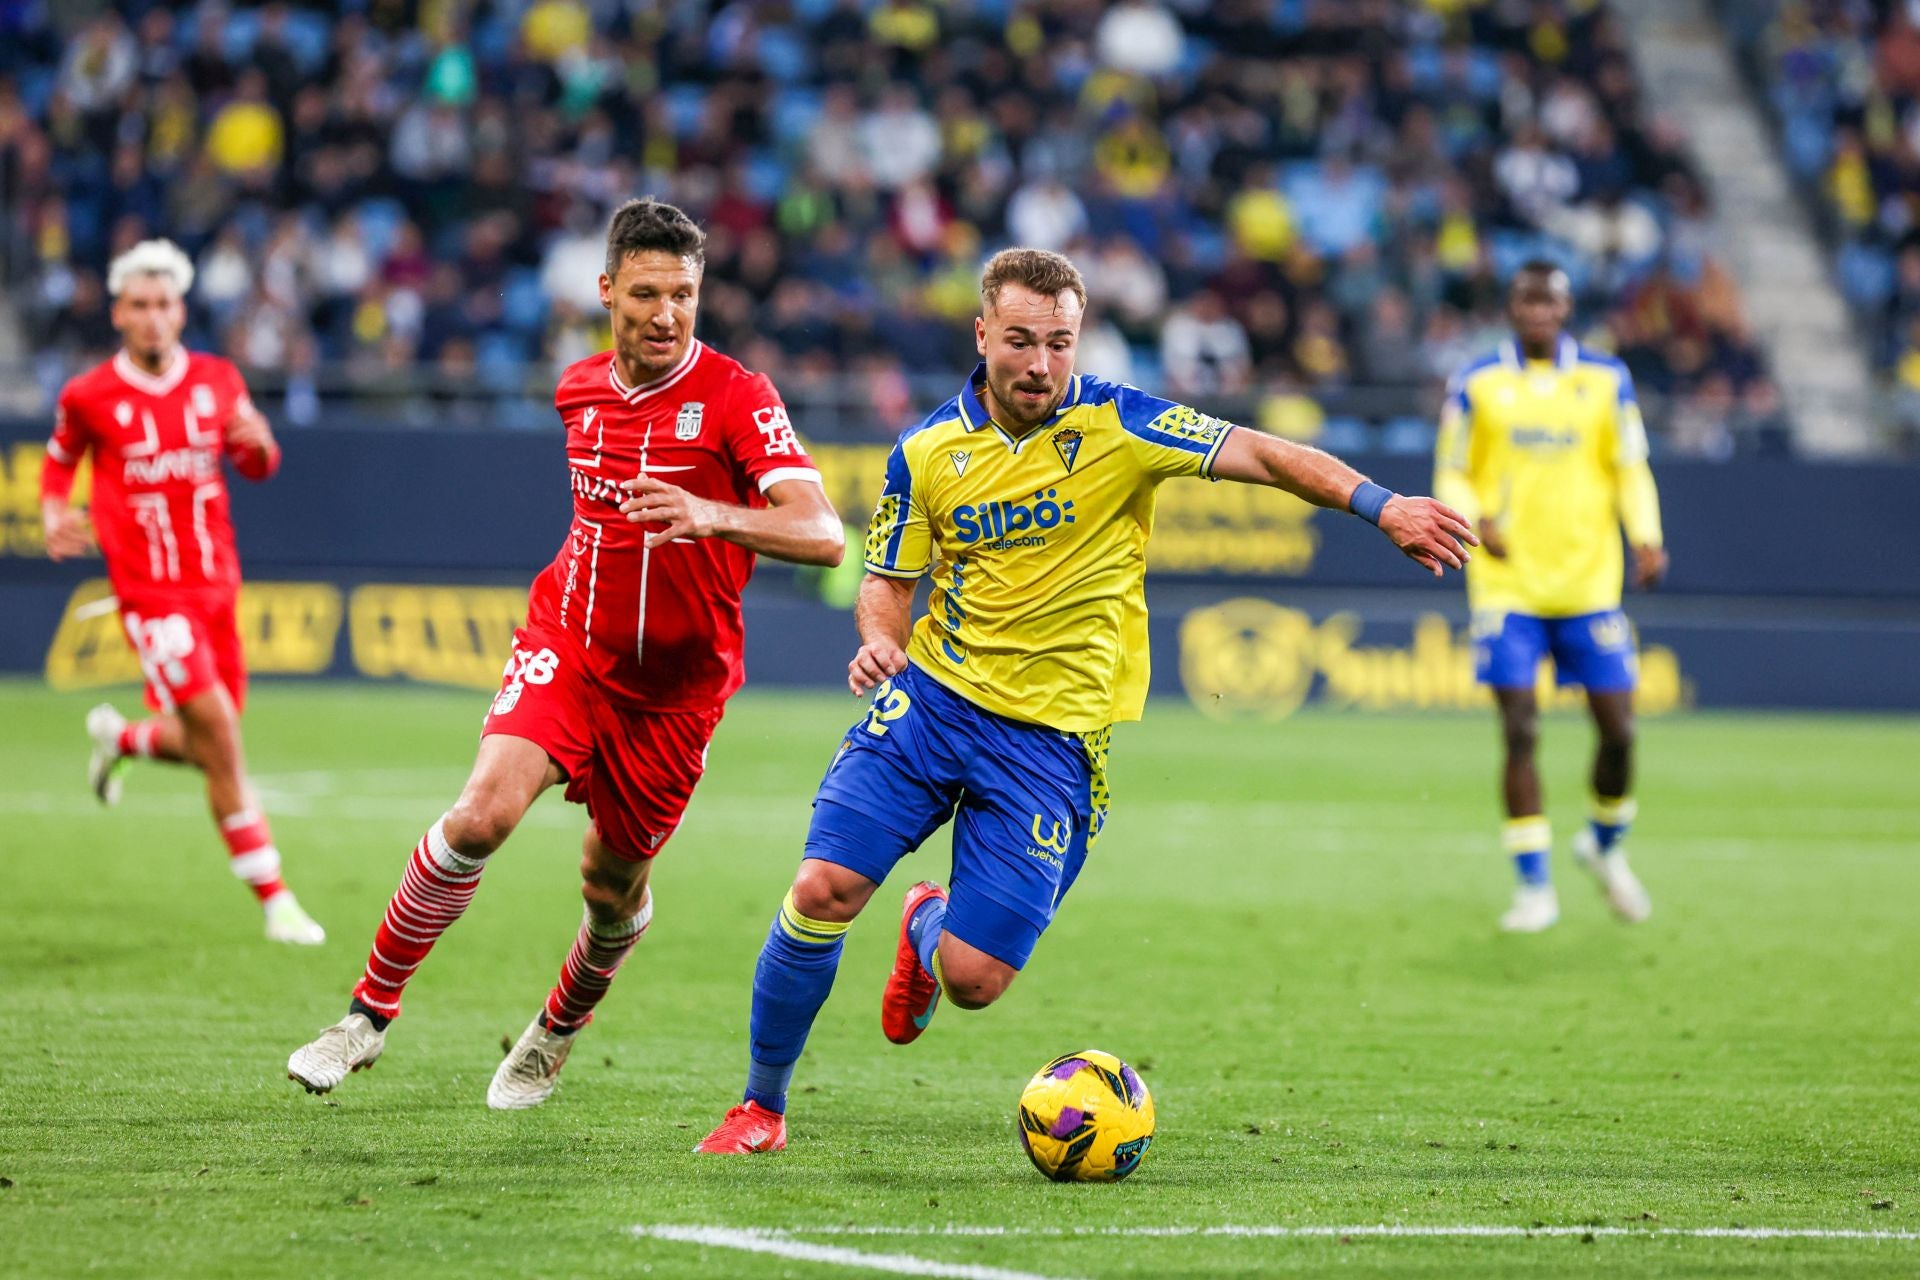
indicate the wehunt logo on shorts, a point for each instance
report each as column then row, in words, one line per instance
column 1005, row 524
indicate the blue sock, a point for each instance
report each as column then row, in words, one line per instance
column 1531, row 868
column 1528, row 840
column 1610, row 818
column 790, row 983
column 925, row 928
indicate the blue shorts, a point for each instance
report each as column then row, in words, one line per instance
column 1593, row 649
column 1020, row 796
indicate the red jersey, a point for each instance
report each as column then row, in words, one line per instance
column 661, row 628
column 159, row 495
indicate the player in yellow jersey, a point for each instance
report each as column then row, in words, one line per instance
column 1030, row 497
column 1542, row 446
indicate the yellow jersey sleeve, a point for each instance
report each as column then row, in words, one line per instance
column 1638, row 499
column 1452, row 476
column 899, row 540
column 1169, row 439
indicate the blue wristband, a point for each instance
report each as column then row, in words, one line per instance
column 1369, row 500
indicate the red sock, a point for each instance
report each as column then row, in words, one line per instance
column 137, row 739
column 435, row 889
column 596, row 956
column 250, row 852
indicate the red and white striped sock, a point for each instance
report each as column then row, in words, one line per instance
column 598, row 951
column 250, row 852
column 137, row 739
column 435, row 889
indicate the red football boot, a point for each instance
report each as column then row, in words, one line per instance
column 748, row 1128
column 906, row 1006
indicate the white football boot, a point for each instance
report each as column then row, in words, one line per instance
column 103, row 767
column 1535, row 908
column 1625, row 894
column 349, row 1045
column 527, row 1074
column 288, row 921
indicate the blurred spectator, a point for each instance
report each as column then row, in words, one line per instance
column 899, row 140
column 245, row 137
column 1272, row 201
column 1044, row 214
column 1104, row 352
column 1389, row 347
column 1129, row 285
column 575, row 259
column 1204, row 350
column 1140, row 38
column 1260, row 218
column 99, row 67
column 1535, row 179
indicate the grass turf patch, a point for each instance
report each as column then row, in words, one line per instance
column 1288, row 928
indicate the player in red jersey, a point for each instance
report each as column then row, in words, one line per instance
column 684, row 466
column 157, row 419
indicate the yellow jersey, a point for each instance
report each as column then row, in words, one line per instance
column 1554, row 453
column 1037, row 546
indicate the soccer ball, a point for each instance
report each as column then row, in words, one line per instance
column 1086, row 1117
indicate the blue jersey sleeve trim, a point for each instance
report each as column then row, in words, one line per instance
column 1213, row 454
column 899, row 483
column 1625, row 395
column 882, row 571
column 899, row 487
column 1458, row 396
column 1138, row 411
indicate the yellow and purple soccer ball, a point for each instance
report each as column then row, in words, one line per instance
column 1086, row 1117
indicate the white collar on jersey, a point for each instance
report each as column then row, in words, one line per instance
column 140, row 380
column 633, row 395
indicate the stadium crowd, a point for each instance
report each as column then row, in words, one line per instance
column 1299, row 211
column 1843, row 78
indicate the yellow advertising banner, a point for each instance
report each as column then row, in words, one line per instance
column 1248, row 658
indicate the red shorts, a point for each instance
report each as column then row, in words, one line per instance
column 634, row 770
column 185, row 648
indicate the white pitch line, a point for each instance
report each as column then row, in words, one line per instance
column 1373, row 1229
column 777, row 1244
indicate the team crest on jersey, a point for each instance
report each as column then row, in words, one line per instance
column 1067, row 441
column 687, row 425
column 202, row 397
column 960, row 457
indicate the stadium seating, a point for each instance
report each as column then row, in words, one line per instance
column 1337, row 189
column 1842, row 80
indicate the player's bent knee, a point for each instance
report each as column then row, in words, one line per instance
column 976, row 991
column 480, row 823
column 611, row 887
column 828, row 891
column 974, row 982
column 608, row 900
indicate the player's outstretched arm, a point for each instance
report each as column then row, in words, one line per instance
column 883, row 612
column 799, row 524
column 1430, row 533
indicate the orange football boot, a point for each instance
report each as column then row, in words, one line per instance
column 748, row 1128
column 907, row 1005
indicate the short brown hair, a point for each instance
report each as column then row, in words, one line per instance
column 1046, row 273
column 645, row 225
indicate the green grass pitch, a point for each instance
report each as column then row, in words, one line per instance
column 1289, row 928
